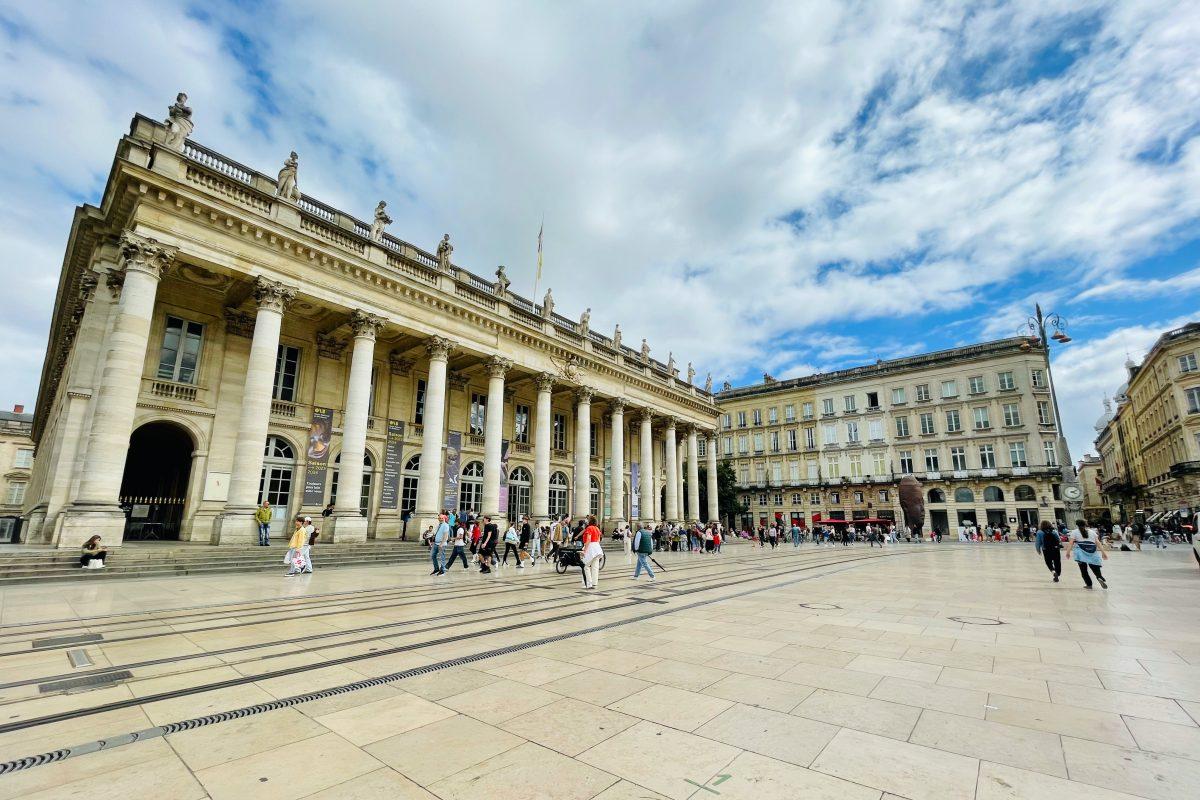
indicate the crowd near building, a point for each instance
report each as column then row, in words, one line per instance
column 975, row 425
column 1148, row 439
column 220, row 339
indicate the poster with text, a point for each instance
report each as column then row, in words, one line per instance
column 505, row 449
column 635, row 483
column 608, row 488
column 320, row 431
column 393, row 453
column 451, row 467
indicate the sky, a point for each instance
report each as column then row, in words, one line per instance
column 756, row 187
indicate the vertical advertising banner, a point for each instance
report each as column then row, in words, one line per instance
column 450, row 465
column 317, row 451
column 635, row 484
column 389, row 494
column 505, row 450
column 608, row 488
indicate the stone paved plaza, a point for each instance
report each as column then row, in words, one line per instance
column 935, row 671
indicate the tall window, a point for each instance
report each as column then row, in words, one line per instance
column 594, row 496
column 1044, row 415
column 1037, row 378
column 741, row 419
column 983, row 420
column 879, row 463
column 1005, row 380
column 757, row 416
column 774, row 441
column 931, row 459
column 1012, row 414
column 180, row 353
column 850, row 402
column 743, row 443
column 807, row 410
column 810, row 438
column 16, row 493
column 1051, row 451
column 558, row 433
column 927, row 424
column 758, row 442
column 478, row 419
column 958, row 458
column 794, row 473
column 287, row 368
column 726, row 421
column 419, row 403
column 558, row 494
column 519, row 482
column 408, row 488
column 772, row 415
column 791, row 439
column 830, row 434
column 1193, row 400
column 875, row 430
column 902, row 426
column 1016, row 454
column 953, row 422
column 856, row 470
column 922, row 391
column 813, row 469
column 827, row 405
column 727, row 445
column 977, row 384
column 470, row 488
column 833, row 467
column 1187, row 363
column 898, row 396
column 760, row 474
column 592, row 440
column 851, row 431
column 789, row 413
column 364, row 494
column 23, row 458
column 521, row 424
column 949, row 388
column 702, row 447
column 987, row 457
column 776, row 474
column 906, row 461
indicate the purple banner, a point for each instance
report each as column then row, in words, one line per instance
column 451, row 467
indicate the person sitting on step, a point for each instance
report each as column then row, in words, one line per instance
column 92, row 551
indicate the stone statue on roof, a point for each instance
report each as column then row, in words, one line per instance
column 645, row 352
column 179, row 123
column 548, row 305
column 382, row 220
column 671, row 361
column 286, row 188
column 691, row 373
column 444, row 249
column 584, row 319
column 617, row 336
column 500, row 287
column 708, row 383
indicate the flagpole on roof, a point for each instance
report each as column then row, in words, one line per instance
column 537, row 278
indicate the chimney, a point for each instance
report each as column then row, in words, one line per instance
column 18, row 409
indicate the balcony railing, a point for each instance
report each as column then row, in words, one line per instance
column 173, row 390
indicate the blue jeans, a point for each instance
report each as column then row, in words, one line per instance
column 264, row 533
column 643, row 562
column 435, row 553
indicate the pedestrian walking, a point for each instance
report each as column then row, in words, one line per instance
column 295, row 558
column 512, row 542
column 263, row 517
column 310, row 533
column 1050, row 546
column 459, row 543
column 592, row 553
column 438, row 543
column 488, row 543
column 1087, row 552
column 643, row 545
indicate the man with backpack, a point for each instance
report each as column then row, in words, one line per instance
column 1050, row 546
column 643, row 545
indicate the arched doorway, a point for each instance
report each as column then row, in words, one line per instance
column 520, row 482
column 364, row 498
column 154, row 486
column 275, row 482
column 594, row 496
column 470, row 489
column 558, row 495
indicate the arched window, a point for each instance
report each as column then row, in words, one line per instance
column 1024, row 493
column 594, row 496
column 558, row 494
column 364, row 498
column 470, row 489
column 408, row 490
column 964, row 495
column 937, row 496
column 275, row 481
column 519, row 482
column 993, row 494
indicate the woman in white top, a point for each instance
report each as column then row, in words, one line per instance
column 511, row 539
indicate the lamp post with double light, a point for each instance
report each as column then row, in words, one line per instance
column 1034, row 331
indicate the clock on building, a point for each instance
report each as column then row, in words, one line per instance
column 1072, row 492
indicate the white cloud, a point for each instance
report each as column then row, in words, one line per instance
column 1128, row 288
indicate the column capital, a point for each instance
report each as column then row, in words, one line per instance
column 645, row 415
column 143, row 254
column 398, row 364
column 272, row 295
column 617, row 405
column 498, row 366
column 584, row 394
column 670, row 422
column 690, row 428
column 365, row 325
column 438, row 348
column 544, row 382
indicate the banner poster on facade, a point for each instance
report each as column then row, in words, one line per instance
column 451, row 466
column 608, row 484
column 504, row 454
column 393, row 453
column 635, row 499
column 320, row 431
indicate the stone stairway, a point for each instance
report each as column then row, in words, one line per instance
column 165, row 560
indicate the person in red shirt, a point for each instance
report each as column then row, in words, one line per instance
column 592, row 553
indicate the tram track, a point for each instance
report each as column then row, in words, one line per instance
column 837, row 565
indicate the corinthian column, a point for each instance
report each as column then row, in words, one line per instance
column 693, row 475
column 648, row 502
column 236, row 525
column 493, row 432
column 540, row 502
column 96, row 507
column 349, row 525
column 583, row 450
column 714, row 514
column 616, row 407
column 672, row 470
column 429, row 485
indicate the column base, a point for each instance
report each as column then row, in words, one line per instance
column 236, row 527
column 80, row 522
column 341, row 528
column 388, row 527
column 422, row 520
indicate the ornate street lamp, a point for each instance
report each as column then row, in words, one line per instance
column 1034, row 332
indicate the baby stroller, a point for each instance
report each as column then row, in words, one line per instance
column 571, row 555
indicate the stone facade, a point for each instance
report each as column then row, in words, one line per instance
column 16, row 467
column 974, row 424
column 217, row 340
column 1149, row 444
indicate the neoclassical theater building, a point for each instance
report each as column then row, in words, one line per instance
column 220, row 338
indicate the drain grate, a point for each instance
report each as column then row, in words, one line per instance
column 79, row 658
column 59, row 641
column 85, row 682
